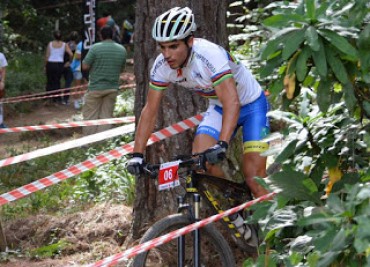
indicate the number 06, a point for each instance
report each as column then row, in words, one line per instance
column 168, row 175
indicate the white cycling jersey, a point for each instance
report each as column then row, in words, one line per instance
column 208, row 65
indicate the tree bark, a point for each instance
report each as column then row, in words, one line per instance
column 178, row 103
column 3, row 242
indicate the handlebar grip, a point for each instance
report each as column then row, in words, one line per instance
column 151, row 170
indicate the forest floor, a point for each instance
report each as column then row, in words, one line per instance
column 97, row 232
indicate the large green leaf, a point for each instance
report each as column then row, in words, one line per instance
column 287, row 152
column 327, row 258
column 293, row 185
column 323, row 95
column 339, row 242
column 317, row 171
column 276, row 87
column 321, row 10
column 321, row 218
column 311, row 9
column 284, row 20
column 293, row 43
column 337, row 66
column 363, row 41
column 276, row 40
column 340, row 43
column 366, row 105
column 362, row 234
column 312, row 38
column 319, row 58
column 270, row 66
column 301, row 66
column 281, row 218
column 349, row 96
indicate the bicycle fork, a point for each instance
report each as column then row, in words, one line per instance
column 196, row 233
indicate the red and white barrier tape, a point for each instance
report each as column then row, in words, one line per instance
column 44, row 93
column 67, row 125
column 119, row 257
column 41, row 97
column 96, row 161
column 51, row 94
column 68, row 145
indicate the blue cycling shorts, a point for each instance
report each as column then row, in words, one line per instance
column 252, row 118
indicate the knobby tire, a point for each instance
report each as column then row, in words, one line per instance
column 214, row 248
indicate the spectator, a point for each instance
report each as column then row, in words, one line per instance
column 77, row 74
column 107, row 20
column 54, row 62
column 127, row 35
column 67, row 71
column 3, row 64
column 105, row 61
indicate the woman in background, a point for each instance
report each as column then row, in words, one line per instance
column 54, row 63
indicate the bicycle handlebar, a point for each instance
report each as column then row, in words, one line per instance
column 193, row 162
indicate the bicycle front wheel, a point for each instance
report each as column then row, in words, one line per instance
column 215, row 251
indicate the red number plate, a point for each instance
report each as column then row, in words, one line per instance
column 168, row 176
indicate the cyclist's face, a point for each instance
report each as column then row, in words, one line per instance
column 175, row 52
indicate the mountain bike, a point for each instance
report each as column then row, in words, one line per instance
column 206, row 246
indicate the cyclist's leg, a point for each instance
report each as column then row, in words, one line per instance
column 207, row 135
column 255, row 128
column 254, row 165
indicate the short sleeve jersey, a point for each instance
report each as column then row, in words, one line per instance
column 106, row 60
column 208, row 65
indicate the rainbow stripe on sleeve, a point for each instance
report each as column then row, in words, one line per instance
column 156, row 85
column 220, row 77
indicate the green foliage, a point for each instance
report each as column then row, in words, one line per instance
column 303, row 226
column 319, row 215
column 50, row 250
column 303, row 234
column 28, row 25
column 125, row 104
column 25, row 75
column 320, row 43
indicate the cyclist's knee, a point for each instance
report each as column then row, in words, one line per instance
column 202, row 142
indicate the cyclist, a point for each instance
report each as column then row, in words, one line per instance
column 235, row 97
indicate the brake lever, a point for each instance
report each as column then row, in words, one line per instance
column 153, row 174
column 202, row 162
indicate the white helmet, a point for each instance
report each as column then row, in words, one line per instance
column 175, row 24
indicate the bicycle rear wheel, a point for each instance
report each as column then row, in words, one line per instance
column 215, row 251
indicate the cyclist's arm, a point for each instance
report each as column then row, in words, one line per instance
column 228, row 96
column 147, row 120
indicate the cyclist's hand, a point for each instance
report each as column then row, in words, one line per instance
column 217, row 152
column 135, row 164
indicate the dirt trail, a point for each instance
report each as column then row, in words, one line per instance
column 44, row 114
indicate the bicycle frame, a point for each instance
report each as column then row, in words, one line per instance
column 195, row 183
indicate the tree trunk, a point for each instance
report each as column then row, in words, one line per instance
column 178, row 103
column 3, row 243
